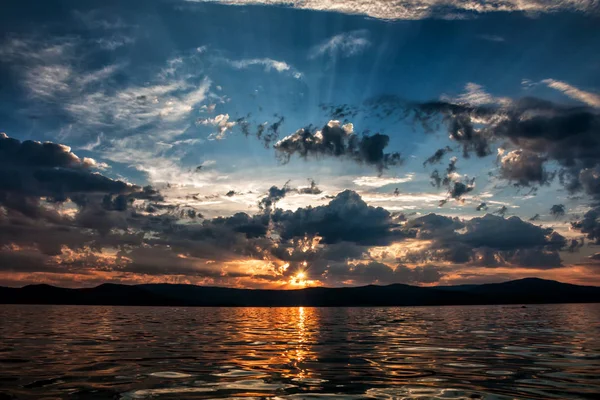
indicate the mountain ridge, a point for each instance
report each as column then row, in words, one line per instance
column 521, row 291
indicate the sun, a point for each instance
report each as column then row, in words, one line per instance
column 299, row 279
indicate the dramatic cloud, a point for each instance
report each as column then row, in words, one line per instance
column 161, row 197
column 590, row 224
column 336, row 140
column 51, row 170
column 346, row 218
column 589, row 180
column 342, row 45
column 488, row 241
column 379, row 273
column 543, row 131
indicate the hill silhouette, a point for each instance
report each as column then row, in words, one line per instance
column 522, row 291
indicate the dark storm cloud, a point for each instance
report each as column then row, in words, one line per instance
column 557, row 210
column 376, row 272
column 589, row 180
column 590, row 224
column 508, row 233
column 487, row 241
column 346, row 218
column 37, row 180
column 51, row 170
column 105, row 217
column 36, row 154
column 335, row 140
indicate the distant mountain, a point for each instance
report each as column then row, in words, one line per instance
column 523, row 291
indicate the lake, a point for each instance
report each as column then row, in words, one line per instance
column 474, row 352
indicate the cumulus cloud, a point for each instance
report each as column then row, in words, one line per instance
column 589, row 224
column 51, row 170
column 488, row 241
column 542, row 131
column 221, row 122
column 336, row 140
column 380, row 273
column 524, row 168
column 51, row 198
column 342, row 45
column 346, row 218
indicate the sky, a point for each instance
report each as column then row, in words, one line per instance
column 285, row 144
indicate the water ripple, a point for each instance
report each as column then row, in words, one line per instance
column 483, row 352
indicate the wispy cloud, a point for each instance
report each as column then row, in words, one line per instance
column 476, row 94
column 344, row 45
column 379, row 181
column 268, row 63
column 591, row 99
column 492, row 38
column 421, row 9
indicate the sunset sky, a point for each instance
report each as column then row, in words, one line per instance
column 284, row 144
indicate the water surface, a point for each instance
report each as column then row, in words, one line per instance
column 477, row 352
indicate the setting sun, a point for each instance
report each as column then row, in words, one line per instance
column 299, row 279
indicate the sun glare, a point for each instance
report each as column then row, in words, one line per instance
column 299, row 279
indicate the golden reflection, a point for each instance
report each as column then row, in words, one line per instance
column 279, row 338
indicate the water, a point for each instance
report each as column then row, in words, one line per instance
column 482, row 352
